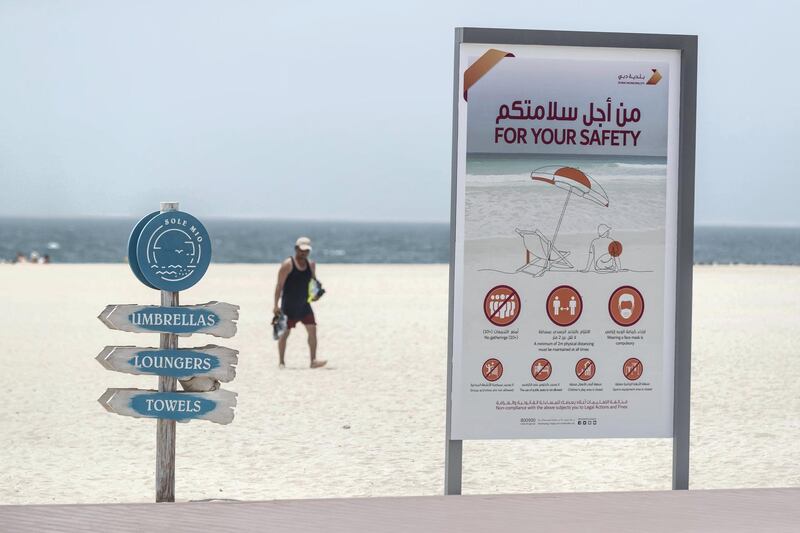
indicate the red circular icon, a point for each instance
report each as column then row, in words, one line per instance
column 502, row 305
column 541, row 369
column 615, row 248
column 633, row 369
column 626, row 305
column 564, row 306
column 492, row 369
column 585, row 369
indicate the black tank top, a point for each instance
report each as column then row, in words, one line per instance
column 294, row 300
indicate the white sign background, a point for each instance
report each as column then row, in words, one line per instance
column 516, row 406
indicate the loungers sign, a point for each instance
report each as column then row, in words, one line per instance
column 208, row 361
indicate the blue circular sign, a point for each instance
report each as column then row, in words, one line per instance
column 133, row 241
column 173, row 251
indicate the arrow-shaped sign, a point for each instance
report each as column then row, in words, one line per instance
column 208, row 361
column 212, row 318
column 216, row 406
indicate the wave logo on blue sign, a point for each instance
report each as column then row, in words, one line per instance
column 173, row 251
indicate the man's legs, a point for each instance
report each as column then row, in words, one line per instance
column 312, row 345
column 282, row 347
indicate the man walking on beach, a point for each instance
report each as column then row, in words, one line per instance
column 292, row 290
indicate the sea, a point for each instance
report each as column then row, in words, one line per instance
column 104, row 240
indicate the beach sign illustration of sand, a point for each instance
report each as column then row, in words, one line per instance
column 215, row 406
column 212, row 318
column 170, row 251
column 209, row 361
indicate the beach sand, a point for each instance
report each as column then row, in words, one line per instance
column 372, row 422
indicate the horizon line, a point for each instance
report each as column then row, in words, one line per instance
column 702, row 224
column 234, row 217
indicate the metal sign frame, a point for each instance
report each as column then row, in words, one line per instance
column 687, row 45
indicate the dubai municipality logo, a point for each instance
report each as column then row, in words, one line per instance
column 639, row 78
column 655, row 78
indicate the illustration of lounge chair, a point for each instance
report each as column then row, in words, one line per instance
column 541, row 254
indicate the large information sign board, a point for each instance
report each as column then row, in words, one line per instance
column 571, row 193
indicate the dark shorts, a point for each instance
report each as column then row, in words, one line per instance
column 306, row 319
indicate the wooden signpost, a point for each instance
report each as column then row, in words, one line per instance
column 170, row 251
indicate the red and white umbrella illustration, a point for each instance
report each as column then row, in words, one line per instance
column 575, row 182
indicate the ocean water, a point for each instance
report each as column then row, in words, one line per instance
column 755, row 246
column 599, row 167
column 265, row 241
column 233, row 241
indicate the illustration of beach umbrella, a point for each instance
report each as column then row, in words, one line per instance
column 574, row 182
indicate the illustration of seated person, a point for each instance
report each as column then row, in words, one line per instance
column 604, row 252
column 541, row 253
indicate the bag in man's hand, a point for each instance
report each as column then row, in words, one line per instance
column 280, row 325
column 315, row 290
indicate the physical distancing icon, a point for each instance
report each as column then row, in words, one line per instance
column 626, row 305
column 585, row 369
column 564, row 305
column 501, row 305
column 541, row 369
column 633, row 369
column 492, row 369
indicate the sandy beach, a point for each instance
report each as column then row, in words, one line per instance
column 372, row 422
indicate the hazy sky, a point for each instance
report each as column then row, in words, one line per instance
column 339, row 110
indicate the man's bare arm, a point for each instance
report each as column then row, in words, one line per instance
column 283, row 273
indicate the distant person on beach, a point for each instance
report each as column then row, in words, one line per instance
column 20, row 258
column 292, row 290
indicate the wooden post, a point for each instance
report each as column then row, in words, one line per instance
column 165, row 430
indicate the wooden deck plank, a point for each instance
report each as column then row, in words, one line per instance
column 773, row 510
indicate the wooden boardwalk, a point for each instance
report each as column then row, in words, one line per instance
column 773, row 510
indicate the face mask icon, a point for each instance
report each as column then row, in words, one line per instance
column 625, row 304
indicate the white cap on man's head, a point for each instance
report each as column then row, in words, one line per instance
column 303, row 243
